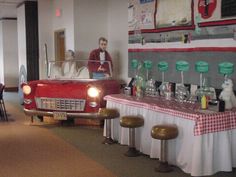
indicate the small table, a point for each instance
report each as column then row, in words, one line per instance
column 206, row 142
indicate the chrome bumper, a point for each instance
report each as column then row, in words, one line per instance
column 34, row 112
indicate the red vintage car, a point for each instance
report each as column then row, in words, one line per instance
column 71, row 91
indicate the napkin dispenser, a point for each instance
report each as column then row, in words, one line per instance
column 182, row 94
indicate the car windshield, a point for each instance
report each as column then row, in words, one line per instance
column 79, row 69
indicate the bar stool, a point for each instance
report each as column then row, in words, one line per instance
column 163, row 133
column 107, row 114
column 2, row 104
column 131, row 122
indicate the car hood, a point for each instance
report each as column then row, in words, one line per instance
column 71, row 88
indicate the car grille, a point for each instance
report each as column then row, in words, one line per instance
column 61, row 104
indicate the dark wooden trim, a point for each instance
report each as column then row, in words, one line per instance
column 166, row 29
column 218, row 23
column 11, row 89
column 32, row 41
column 8, row 18
column 193, row 49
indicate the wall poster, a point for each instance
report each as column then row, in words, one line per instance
column 215, row 12
column 189, row 30
column 173, row 13
column 159, row 15
column 141, row 14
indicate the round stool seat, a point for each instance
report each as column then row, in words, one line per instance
column 131, row 121
column 108, row 113
column 164, row 132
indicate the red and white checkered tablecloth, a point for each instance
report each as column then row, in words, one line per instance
column 216, row 122
column 205, row 122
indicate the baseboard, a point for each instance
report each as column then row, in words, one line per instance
column 11, row 89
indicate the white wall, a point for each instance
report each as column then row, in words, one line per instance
column 49, row 23
column 107, row 18
column 65, row 21
column 84, row 22
column 1, row 55
column 21, row 36
column 90, row 23
column 10, row 52
column 118, row 37
column 8, row 46
column 46, row 35
column 8, row 11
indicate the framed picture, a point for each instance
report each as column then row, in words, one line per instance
column 153, row 16
column 141, row 14
column 215, row 12
column 173, row 13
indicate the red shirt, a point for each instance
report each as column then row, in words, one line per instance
column 95, row 55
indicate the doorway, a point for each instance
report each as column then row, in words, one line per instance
column 59, row 45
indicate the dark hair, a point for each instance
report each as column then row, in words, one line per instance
column 102, row 39
column 72, row 52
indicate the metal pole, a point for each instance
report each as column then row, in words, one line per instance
column 131, row 137
column 163, row 151
column 46, row 59
column 108, row 128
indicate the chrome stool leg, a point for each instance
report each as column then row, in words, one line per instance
column 32, row 119
column 1, row 111
column 4, row 111
column 163, row 165
column 108, row 139
column 132, row 151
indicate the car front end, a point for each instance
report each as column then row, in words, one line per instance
column 66, row 99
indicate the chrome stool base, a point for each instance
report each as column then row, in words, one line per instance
column 163, row 133
column 132, row 152
column 107, row 114
column 163, row 167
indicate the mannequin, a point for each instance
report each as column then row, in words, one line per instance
column 69, row 66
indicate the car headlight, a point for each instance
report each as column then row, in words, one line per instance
column 93, row 92
column 26, row 89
